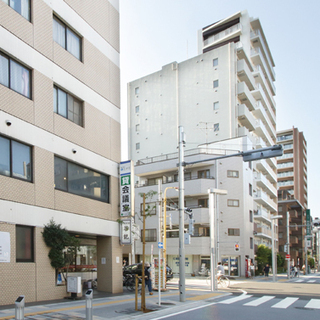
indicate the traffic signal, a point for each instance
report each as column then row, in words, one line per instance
column 316, row 223
column 236, row 247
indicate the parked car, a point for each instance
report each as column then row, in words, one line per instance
column 137, row 269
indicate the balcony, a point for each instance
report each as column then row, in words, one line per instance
column 260, row 113
column 262, row 232
column 261, row 131
column 264, row 183
column 257, row 40
column 262, row 215
column 259, row 76
column 201, row 216
column 198, row 246
column 245, row 96
column 194, row 186
column 263, row 199
column 264, row 167
column 244, row 74
column 245, row 117
column 222, row 36
column 259, row 95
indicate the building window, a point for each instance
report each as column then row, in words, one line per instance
column 137, row 109
column 15, row 76
column 67, row 38
column 251, row 243
column 233, row 174
column 67, row 106
column 136, row 90
column 233, row 232
column 203, row 203
column 233, row 203
column 24, row 244
column 216, row 105
column 216, row 127
column 216, row 83
column 187, row 176
column 215, row 62
column 81, row 181
column 15, row 159
column 204, row 174
column 137, row 127
column 150, row 235
column 250, row 216
column 250, row 189
column 138, row 146
column 21, row 6
column 200, row 231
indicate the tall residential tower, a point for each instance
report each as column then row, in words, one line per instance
column 219, row 97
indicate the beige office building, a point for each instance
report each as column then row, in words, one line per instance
column 59, row 142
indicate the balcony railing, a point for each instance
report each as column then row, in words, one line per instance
column 210, row 40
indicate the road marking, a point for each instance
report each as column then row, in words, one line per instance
column 259, row 301
column 300, row 280
column 235, row 299
column 184, row 311
column 313, row 304
column 285, row 303
column 311, row 281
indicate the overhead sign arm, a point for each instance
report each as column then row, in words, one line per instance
column 255, row 154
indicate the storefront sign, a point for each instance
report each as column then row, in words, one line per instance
column 4, row 247
column 126, row 231
column 126, row 189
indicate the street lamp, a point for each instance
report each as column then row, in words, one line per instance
column 212, row 192
column 274, row 269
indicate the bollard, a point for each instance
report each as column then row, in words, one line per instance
column 89, row 296
column 19, row 310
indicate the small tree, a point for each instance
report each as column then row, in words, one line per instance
column 57, row 239
column 263, row 256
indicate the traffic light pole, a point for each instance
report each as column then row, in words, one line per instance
column 182, row 276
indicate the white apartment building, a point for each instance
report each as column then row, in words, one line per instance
column 59, row 142
column 234, row 212
column 224, row 93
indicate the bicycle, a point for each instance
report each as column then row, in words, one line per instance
column 130, row 282
column 222, row 280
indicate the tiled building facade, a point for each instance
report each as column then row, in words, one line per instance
column 59, row 140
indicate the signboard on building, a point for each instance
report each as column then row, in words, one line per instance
column 308, row 220
column 4, row 247
column 126, row 189
column 126, row 231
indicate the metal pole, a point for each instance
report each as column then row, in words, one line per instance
column 273, row 260
column 160, row 240
column 212, row 241
column 288, row 245
column 182, row 280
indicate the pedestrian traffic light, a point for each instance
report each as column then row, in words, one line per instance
column 236, row 247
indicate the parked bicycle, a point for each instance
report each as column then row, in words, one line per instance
column 129, row 282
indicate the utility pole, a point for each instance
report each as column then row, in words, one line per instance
column 182, row 276
column 288, row 245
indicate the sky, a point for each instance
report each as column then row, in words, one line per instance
column 154, row 33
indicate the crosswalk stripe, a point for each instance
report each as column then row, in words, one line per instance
column 313, row 304
column 235, row 299
column 285, row 303
column 311, row 281
column 300, row 280
column 259, row 301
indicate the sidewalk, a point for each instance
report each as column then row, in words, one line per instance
column 120, row 306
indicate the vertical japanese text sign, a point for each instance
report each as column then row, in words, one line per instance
column 126, row 189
